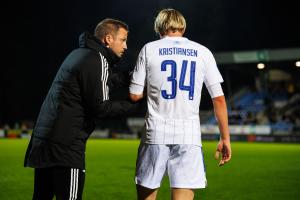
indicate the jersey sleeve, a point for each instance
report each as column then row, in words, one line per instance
column 215, row 90
column 138, row 78
column 212, row 73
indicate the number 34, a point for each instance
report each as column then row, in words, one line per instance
column 172, row 78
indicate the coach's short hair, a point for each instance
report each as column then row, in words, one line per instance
column 169, row 20
column 109, row 26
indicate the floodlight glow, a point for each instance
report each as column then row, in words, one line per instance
column 260, row 65
column 297, row 63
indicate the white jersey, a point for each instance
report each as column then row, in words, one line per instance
column 173, row 70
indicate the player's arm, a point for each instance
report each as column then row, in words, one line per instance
column 137, row 83
column 220, row 110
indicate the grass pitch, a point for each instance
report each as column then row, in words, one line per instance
column 257, row 171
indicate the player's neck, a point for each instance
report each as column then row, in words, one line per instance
column 173, row 34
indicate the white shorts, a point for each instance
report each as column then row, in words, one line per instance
column 183, row 163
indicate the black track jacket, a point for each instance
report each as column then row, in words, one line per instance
column 79, row 96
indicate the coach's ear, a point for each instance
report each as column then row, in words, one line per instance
column 108, row 39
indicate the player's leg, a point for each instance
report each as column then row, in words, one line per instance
column 186, row 171
column 182, row 194
column 43, row 188
column 69, row 183
column 144, row 193
column 150, row 168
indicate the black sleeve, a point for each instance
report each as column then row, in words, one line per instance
column 92, row 95
column 120, row 79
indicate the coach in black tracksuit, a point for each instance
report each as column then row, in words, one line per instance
column 79, row 96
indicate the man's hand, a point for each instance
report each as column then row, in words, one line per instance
column 223, row 148
column 135, row 97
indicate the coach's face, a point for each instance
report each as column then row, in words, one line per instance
column 117, row 42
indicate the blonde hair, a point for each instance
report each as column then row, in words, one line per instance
column 109, row 26
column 169, row 20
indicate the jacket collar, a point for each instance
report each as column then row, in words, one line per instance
column 87, row 40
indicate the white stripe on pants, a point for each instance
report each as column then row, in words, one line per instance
column 74, row 184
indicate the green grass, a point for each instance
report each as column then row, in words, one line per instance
column 257, row 171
